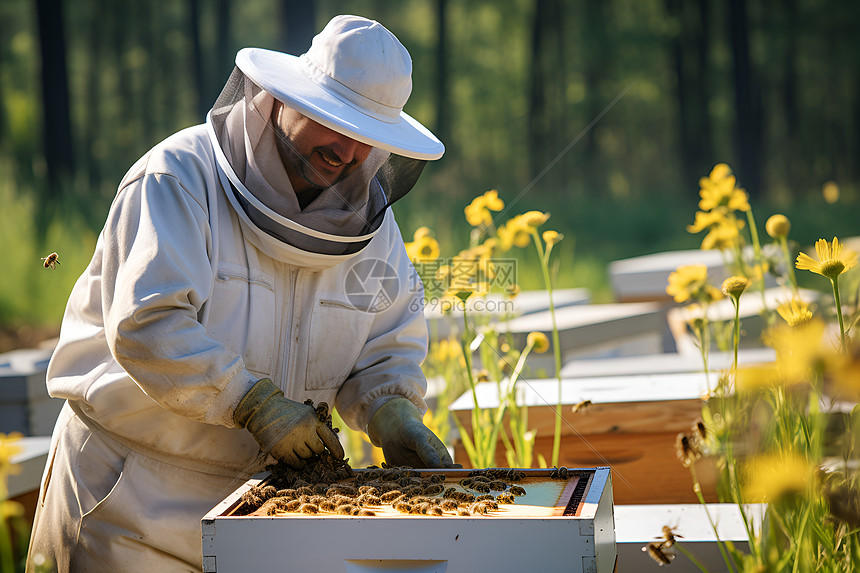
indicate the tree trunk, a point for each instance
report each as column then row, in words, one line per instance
column 747, row 120
column 443, row 105
column 56, row 118
column 298, row 19
column 537, row 92
column 201, row 103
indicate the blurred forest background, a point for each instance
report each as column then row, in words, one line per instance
column 603, row 112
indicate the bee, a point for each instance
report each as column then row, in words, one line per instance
column 51, row 260
column 435, row 510
column 466, row 482
column 560, row 473
column 700, row 431
column 368, row 489
column 485, row 497
column 463, row 511
column 505, row 498
column 448, row 491
column 478, row 508
column 273, row 510
column 309, row 508
column 292, row 505
column 345, row 509
column 517, row 490
column 403, row 507
column 288, row 493
column 366, row 512
column 321, row 488
column 434, row 489
column 305, row 490
column 669, row 536
column 368, row 499
column 658, row 553
column 449, row 505
column 481, row 487
column 498, row 485
column 390, row 496
column 581, row 406
column 437, row 478
column 327, row 505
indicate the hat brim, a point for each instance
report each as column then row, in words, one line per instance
column 279, row 74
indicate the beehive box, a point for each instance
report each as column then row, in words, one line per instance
column 630, row 426
column 558, row 525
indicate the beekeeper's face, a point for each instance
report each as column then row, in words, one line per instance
column 315, row 156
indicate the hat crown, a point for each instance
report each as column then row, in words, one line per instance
column 362, row 56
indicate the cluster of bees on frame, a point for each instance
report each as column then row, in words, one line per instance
column 404, row 489
column 327, row 485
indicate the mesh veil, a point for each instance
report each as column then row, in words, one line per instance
column 341, row 219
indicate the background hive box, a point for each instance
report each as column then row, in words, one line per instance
column 630, row 427
column 574, row 531
column 25, row 405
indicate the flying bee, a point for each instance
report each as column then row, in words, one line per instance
column 658, row 553
column 517, row 490
column 669, row 536
column 51, row 260
column 581, row 406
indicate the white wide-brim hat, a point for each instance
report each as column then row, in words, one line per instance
column 354, row 79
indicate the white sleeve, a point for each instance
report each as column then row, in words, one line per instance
column 156, row 277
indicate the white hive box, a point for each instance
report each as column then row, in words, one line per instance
column 567, row 526
column 25, row 405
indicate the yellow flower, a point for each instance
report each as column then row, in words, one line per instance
column 9, row 448
column 795, row 312
column 734, row 286
column 777, row 226
column 800, row 350
column 831, row 260
column 478, row 211
column 424, row 249
column 538, row 341
column 513, row 234
column 421, row 232
column 533, row 219
column 830, row 192
column 718, row 190
column 706, row 220
column 687, row 282
column 551, row 237
column 755, row 378
column 770, row 478
column 724, row 235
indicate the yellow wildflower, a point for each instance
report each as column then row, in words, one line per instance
column 718, row 190
column 734, row 286
column 800, row 350
column 478, row 211
column 551, row 237
column 755, row 378
column 424, row 249
column 795, row 312
column 777, row 226
column 830, row 192
column 513, row 234
column 706, row 220
column 687, row 282
column 724, row 235
column 538, row 341
column 770, row 478
column 831, row 263
column 9, row 448
column 421, row 232
column 533, row 219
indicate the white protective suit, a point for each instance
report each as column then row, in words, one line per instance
column 185, row 304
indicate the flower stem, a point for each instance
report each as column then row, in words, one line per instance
column 783, row 243
column 556, row 346
column 835, row 282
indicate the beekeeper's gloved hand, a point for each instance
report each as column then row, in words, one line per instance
column 396, row 427
column 289, row 431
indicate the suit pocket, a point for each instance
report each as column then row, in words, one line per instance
column 338, row 334
column 241, row 315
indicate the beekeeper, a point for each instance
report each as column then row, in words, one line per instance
column 246, row 265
